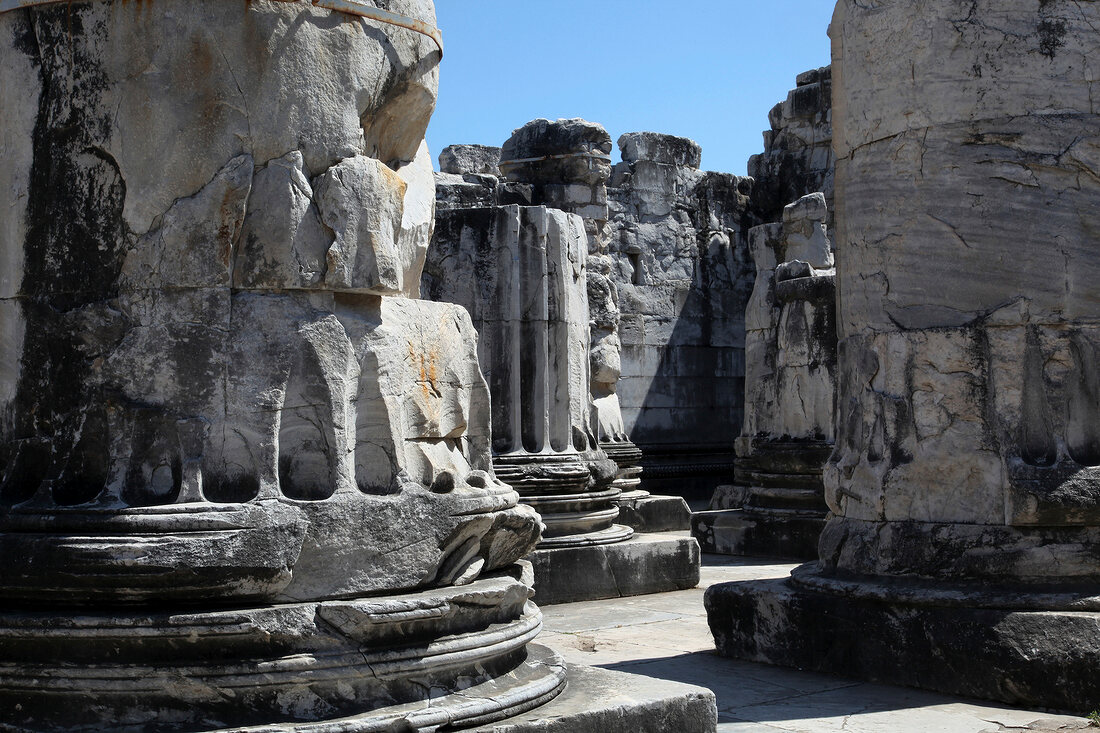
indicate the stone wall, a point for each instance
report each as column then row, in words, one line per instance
column 684, row 274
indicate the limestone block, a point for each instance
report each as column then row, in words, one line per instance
column 476, row 159
column 669, row 149
column 804, row 228
column 571, row 151
column 361, row 201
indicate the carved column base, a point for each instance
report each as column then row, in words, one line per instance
column 977, row 639
column 776, row 506
column 628, row 458
column 357, row 664
column 556, row 486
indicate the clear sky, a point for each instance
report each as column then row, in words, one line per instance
column 705, row 69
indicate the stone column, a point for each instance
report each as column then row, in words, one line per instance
column 522, row 271
column 776, row 505
column 245, row 475
column 964, row 553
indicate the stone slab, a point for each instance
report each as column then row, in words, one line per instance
column 655, row 513
column 598, row 700
column 767, row 534
column 646, row 563
column 1044, row 659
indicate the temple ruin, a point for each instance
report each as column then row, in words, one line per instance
column 299, row 431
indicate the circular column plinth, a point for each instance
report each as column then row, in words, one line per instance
column 556, row 486
column 359, row 664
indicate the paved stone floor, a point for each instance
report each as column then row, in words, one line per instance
column 666, row 636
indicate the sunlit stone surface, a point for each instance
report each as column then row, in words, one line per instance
column 964, row 548
column 245, row 476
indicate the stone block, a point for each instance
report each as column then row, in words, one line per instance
column 646, row 563
column 678, row 151
column 475, row 159
column 655, row 513
column 982, row 643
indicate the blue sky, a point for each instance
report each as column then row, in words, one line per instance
column 705, row 69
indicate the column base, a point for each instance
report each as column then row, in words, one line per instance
column 419, row 660
column 601, row 700
column 645, row 563
column 999, row 643
column 650, row 513
column 759, row 532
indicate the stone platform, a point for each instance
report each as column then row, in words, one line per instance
column 1004, row 644
column 599, row 700
column 645, row 563
column 665, row 636
column 652, row 513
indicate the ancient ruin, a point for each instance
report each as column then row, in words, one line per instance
column 547, row 328
column 777, row 505
column 679, row 260
column 962, row 550
column 247, row 477
column 298, row 434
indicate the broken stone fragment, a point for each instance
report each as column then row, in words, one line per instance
column 659, row 148
column 283, row 243
column 470, row 159
column 564, row 151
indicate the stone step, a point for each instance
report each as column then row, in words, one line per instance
column 655, row 513
column 599, row 700
column 645, row 563
column 976, row 640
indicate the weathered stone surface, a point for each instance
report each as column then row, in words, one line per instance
column 668, row 149
column 169, row 670
column 470, row 159
column 283, row 243
column 648, row 513
column 798, row 154
column 790, row 327
column 521, row 272
column 598, row 700
column 241, row 484
column 962, row 550
column 681, row 266
column 554, row 154
column 966, row 357
column 759, row 531
column 965, row 642
column 644, row 563
column 776, row 506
